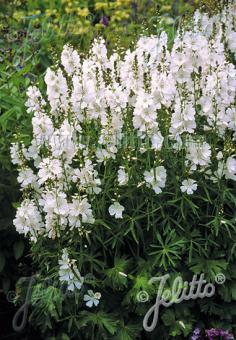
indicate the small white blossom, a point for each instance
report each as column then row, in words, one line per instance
column 116, row 209
column 92, row 298
column 122, row 177
column 157, row 141
column 156, row 178
column 80, row 211
column 189, row 186
column 49, row 169
column 16, row 154
column 219, row 156
column 26, row 177
column 28, row 220
column 198, row 153
column 230, row 171
column 88, row 178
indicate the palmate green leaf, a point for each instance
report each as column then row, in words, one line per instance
column 179, row 324
column 181, row 327
column 228, row 291
column 114, row 277
column 48, row 299
column 105, row 322
column 128, row 331
column 140, row 283
column 167, row 251
column 209, row 267
column 210, row 307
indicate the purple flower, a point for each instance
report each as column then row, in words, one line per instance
column 226, row 335
column 213, row 332
column 105, row 21
column 196, row 334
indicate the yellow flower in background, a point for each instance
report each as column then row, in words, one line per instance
column 79, row 27
column 113, row 18
column 123, row 2
column 102, row 6
column 83, row 12
column 120, row 15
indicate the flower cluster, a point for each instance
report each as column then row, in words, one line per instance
column 183, row 96
column 196, row 334
column 214, row 333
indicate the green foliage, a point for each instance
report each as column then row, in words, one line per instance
column 175, row 235
column 167, row 252
column 32, row 32
column 114, row 278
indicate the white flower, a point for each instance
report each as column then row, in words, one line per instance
column 88, row 178
column 183, row 120
column 49, row 169
column 219, row 156
column 54, row 203
column 92, row 298
column 156, row 178
column 26, row 177
column 230, row 171
column 69, row 273
column 16, row 156
column 116, row 210
column 188, row 186
column 62, row 142
column 28, row 220
column 102, row 155
column 187, row 91
column 199, row 153
column 80, row 208
column 42, row 127
column 35, row 101
column 122, row 176
column 50, row 77
column 157, row 141
column 57, row 91
column 70, row 59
